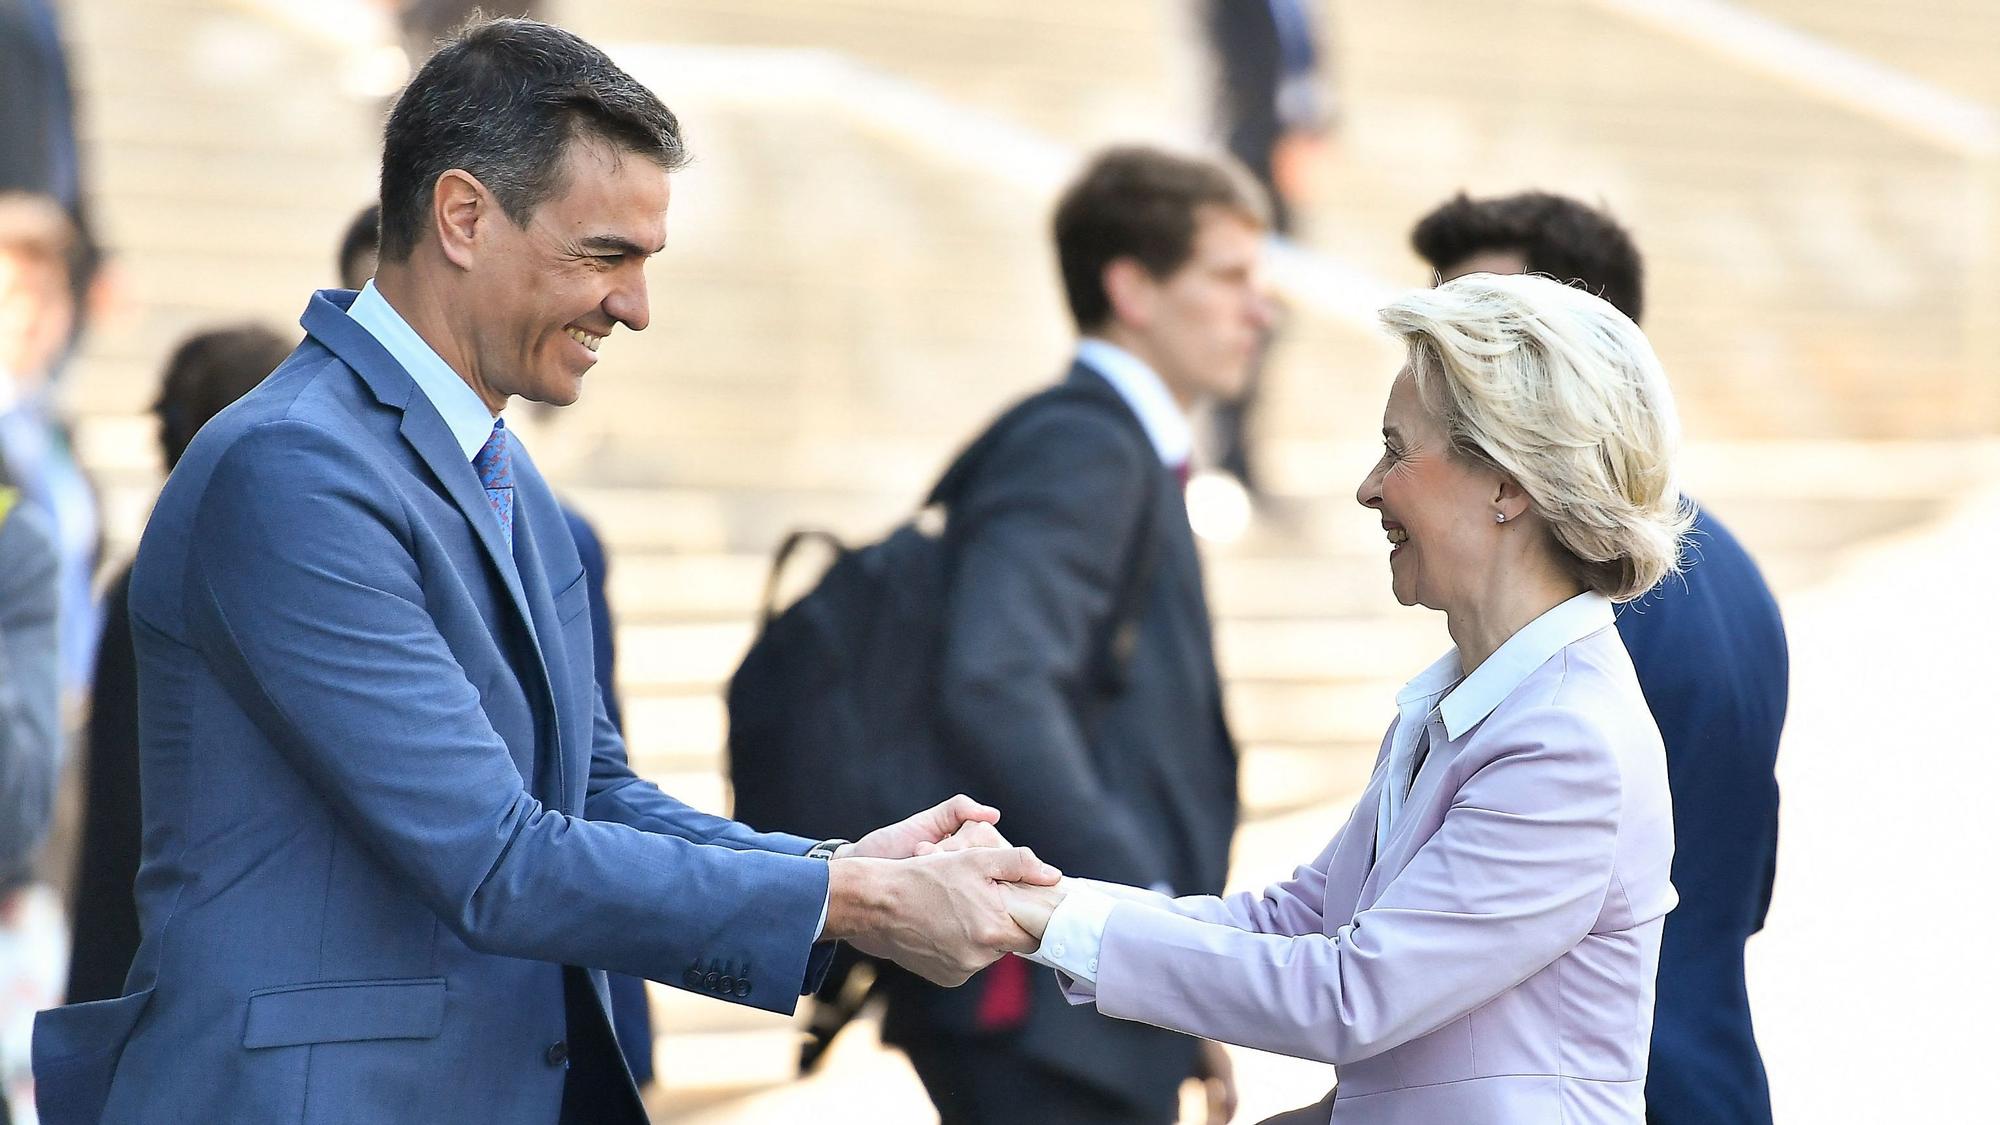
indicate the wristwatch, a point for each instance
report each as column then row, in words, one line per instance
column 825, row 849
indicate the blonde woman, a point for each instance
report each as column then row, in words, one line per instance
column 1478, row 942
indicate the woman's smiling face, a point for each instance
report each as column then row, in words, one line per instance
column 1436, row 505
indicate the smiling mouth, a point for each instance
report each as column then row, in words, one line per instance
column 1397, row 536
column 584, row 338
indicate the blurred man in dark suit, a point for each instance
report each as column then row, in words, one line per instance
column 1272, row 113
column 1071, row 540
column 1710, row 650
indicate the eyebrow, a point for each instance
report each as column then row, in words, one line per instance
column 620, row 245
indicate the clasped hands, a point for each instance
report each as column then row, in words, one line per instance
column 942, row 893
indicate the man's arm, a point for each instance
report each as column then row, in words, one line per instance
column 1041, row 541
column 307, row 601
column 30, row 738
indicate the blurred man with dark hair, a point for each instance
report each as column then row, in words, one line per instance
column 1710, row 651
column 391, row 839
column 1535, row 232
column 207, row 372
column 1078, row 683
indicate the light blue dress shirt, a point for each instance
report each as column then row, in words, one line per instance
column 1146, row 393
column 464, row 413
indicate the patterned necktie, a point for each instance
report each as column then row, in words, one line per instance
column 495, row 463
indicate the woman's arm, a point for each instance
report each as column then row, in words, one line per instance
column 1515, row 877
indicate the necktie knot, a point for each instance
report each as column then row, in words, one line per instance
column 495, row 459
column 495, row 464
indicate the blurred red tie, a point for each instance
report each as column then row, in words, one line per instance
column 1004, row 1004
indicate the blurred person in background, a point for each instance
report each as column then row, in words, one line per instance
column 38, row 148
column 207, row 372
column 39, row 315
column 389, row 829
column 631, row 1012
column 1709, row 647
column 1070, row 539
column 30, row 761
column 1478, row 942
column 1272, row 113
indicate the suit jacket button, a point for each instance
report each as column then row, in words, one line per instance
column 692, row 978
column 726, row 985
column 709, row 982
column 743, row 986
column 557, row 1054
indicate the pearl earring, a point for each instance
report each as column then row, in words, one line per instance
column 1499, row 517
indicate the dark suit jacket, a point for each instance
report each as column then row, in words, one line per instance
column 105, row 918
column 384, row 805
column 1136, row 786
column 1710, row 651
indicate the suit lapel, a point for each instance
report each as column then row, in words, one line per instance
column 424, row 429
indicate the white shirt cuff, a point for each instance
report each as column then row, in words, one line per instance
column 1075, row 933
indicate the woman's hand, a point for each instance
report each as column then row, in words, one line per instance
column 1031, row 905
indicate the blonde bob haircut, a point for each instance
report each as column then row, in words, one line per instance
column 1561, row 392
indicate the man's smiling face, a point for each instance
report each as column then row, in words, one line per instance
column 548, row 293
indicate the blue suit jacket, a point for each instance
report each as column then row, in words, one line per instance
column 383, row 802
column 1710, row 651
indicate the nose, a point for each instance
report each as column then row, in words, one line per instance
column 1369, row 493
column 627, row 302
column 1263, row 306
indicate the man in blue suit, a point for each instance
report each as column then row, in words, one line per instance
column 1710, row 651
column 391, row 841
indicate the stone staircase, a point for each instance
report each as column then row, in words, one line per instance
column 841, row 306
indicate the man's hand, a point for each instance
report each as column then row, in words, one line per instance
column 924, row 832
column 1030, row 906
column 1218, row 1076
column 971, row 834
column 942, row 916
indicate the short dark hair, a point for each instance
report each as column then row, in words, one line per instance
column 1560, row 237
column 1141, row 203
column 503, row 100
column 209, row 371
column 363, row 237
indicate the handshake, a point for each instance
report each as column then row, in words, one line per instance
column 942, row 894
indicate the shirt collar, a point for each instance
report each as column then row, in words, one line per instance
column 1143, row 390
column 464, row 413
column 1468, row 700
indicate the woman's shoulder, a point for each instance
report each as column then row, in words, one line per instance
column 1586, row 694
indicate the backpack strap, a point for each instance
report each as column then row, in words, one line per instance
column 784, row 555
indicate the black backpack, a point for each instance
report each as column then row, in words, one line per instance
column 833, row 728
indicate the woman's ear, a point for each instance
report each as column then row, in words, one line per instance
column 1510, row 501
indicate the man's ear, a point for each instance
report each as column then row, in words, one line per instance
column 460, row 207
column 1131, row 291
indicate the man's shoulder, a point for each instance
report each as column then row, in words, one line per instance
column 1071, row 421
